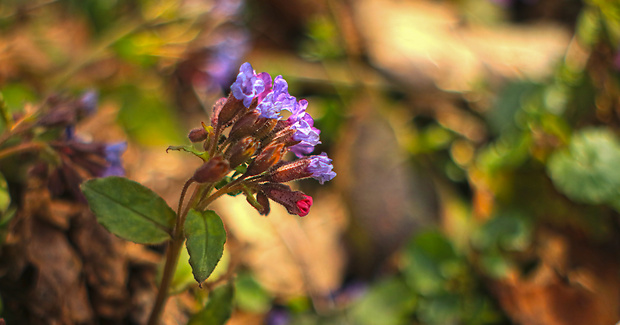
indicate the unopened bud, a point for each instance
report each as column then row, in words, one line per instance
column 297, row 169
column 262, row 199
column 265, row 126
column 267, row 158
column 232, row 109
column 217, row 108
column 295, row 202
column 212, row 171
column 241, row 151
column 284, row 136
column 198, row 135
column 245, row 125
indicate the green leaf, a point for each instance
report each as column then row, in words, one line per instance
column 129, row 210
column 205, row 242
column 587, row 171
column 387, row 302
column 250, row 296
column 190, row 148
column 218, row 309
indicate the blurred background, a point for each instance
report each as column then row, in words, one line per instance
column 476, row 145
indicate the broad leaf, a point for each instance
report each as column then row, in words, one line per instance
column 129, row 210
column 588, row 170
column 205, row 242
column 218, row 308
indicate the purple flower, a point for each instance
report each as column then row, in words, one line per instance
column 113, row 154
column 226, row 54
column 88, row 102
column 277, row 100
column 303, row 124
column 321, row 168
column 248, row 84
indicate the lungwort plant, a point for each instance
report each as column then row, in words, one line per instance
column 242, row 153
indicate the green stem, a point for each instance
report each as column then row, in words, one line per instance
column 172, row 256
column 30, row 146
column 4, row 113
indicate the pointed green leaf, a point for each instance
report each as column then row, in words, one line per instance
column 129, row 209
column 205, row 242
column 218, row 308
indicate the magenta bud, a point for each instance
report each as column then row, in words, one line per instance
column 241, row 151
column 212, row 171
column 198, row 135
column 295, row 202
column 265, row 159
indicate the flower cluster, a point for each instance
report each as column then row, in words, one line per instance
column 248, row 135
column 78, row 159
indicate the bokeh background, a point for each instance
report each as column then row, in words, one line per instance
column 475, row 141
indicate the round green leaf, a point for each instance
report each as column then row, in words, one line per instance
column 205, row 242
column 588, row 170
column 129, row 209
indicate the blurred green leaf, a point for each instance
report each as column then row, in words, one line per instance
column 388, row 302
column 587, row 171
column 505, row 232
column 495, row 265
column 205, row 242
column 250, row 296
column 502, row 116
column 443, row 309
column 147, row 117
column 16, row 95
column 218, row 309
column 429, row 261
column 129, row 209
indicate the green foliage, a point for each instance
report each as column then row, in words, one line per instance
column 249, row 295
column 129, row 209
column 388, row 302
column 587, row 171
column 146, row 116
column 218, row 309
column 444, row 284
column 205, row 242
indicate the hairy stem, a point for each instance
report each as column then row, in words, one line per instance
column 172, row 255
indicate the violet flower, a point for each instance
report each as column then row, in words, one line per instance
column 303, row 124
column 248, row 84
column 225, row 56
column 113, row 154
column 277, row 100
column 321, row 168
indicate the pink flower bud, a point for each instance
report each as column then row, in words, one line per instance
column 304, row 205
column 295, row 202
